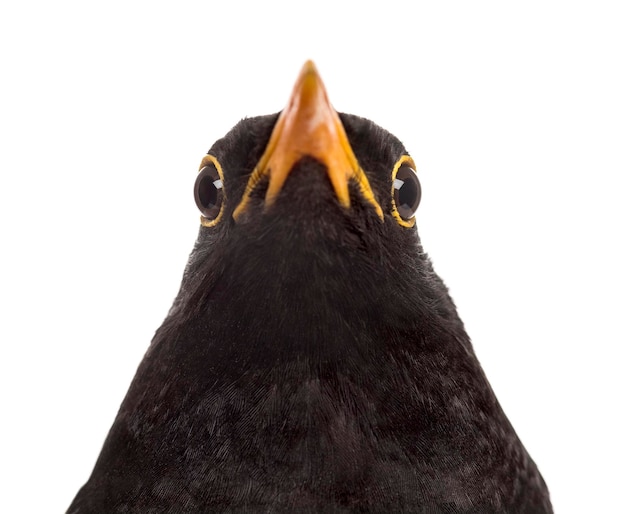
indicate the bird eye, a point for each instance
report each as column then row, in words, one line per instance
column 209, row 191
column 407, row 192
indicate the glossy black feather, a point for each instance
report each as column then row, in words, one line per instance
column 312, row 362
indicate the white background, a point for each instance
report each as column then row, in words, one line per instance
column 515, row 115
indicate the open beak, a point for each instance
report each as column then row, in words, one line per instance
column 309, row 126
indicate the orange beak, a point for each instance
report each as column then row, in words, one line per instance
column 309, row 126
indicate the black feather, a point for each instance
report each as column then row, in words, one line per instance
column 312, row 362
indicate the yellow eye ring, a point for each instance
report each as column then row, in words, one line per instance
column 209, row 191
column 406, row 191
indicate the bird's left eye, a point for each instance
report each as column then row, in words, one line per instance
column 209, row 192
column 406, row 191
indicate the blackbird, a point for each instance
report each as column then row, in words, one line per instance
column 312, row 361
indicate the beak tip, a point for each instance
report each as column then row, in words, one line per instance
column 308, row 75
column 309, row 67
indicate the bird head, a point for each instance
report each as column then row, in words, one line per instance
column 308, row 221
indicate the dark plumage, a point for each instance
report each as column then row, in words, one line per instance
column 312, row 362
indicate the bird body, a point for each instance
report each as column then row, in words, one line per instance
column 312, row 361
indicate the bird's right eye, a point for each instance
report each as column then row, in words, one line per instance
column 209, row 191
